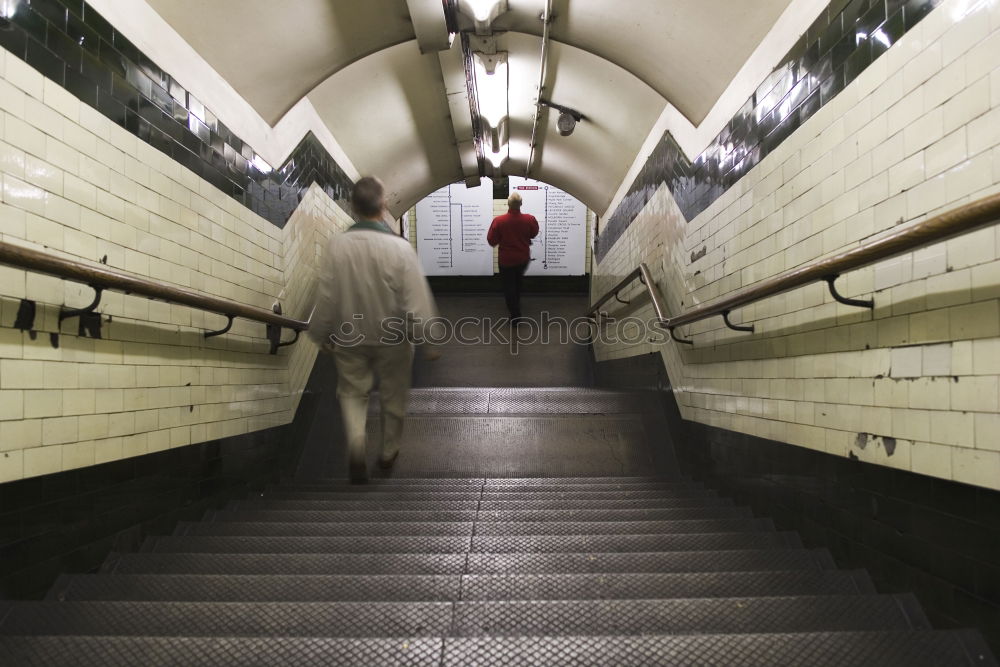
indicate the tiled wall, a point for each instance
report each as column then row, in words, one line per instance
column 841, row 43
column 75, row 47
column 78, row 184
column 912, row 385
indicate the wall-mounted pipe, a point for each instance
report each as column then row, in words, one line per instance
column 542, row 67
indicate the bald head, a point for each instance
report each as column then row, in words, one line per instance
column 514, row 201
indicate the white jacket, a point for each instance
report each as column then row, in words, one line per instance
column 371, row 290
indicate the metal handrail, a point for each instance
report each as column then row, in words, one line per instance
column 962, row 220
column 101, row 277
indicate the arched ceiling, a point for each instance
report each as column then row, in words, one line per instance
column 686, row 50
column 274, row 53
column 358, row 62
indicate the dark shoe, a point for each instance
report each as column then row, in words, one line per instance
column 358, row 470
column 385, row 462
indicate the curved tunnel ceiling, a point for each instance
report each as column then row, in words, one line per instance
column 358, row 63
column 688, row 51
column 274, row 53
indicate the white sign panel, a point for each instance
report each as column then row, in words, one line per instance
column 560, row 247
column 451, row 231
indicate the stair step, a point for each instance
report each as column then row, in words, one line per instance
column 507, row 516
column 512, row 487
column 678, row 561
column 664, row 586
column 380, row 588
column 373, row 619
column 234, row 619
column 407, row 495
column 632, row 543
column 701, row 615
column 940, row 648
column 434, row 563
column 328, row 528
column 480, row 544
column 736, row 525
column 292, row 564
column 259, row 588
column 486, row 506
column 372, row 496
column 641, row 514
column 213, row 651
column 466, row 528
column 300, row 545
column 348, row 516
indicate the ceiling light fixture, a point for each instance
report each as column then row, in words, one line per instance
column 497, row 159
column 7, row 10
column 483, row 13
column 491, row 87
column 481, row 9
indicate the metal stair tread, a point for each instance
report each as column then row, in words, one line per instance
column 939, row 648
column 468, row 528
column 317, row 588
column 476, row 563
column 689, row 615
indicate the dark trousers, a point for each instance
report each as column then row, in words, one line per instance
column 512, row 277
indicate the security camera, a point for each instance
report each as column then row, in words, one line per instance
column 566, row 124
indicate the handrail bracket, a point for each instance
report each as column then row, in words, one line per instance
column 859, row 303
column 66, row 313
column 735, row 327
column 225, row 329
column 621, row 300
column 679, row 340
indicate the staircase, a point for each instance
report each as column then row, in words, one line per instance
column 532, row 522
column 437, row 571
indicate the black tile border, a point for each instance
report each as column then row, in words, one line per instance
column 913, row 533
column 835, row 49
column 73, row 45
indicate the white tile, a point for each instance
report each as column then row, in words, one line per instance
column 23, row 195
column 974, row 466
column 908, row 173
column 945, row 153
column 11, row 465
column 937, row 360
column 907, row 362
column 11, row 404
column 927, row 458
column 983, row 57
column 42, row 461
column 975, row 394
column 968, row 104
column 25, row 77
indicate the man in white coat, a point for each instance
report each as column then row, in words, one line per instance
column 373, row 300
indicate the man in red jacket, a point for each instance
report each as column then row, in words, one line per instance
column 513, row 233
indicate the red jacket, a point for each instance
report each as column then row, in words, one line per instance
column 513, row 233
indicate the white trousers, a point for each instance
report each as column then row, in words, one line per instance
column 357, row 368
